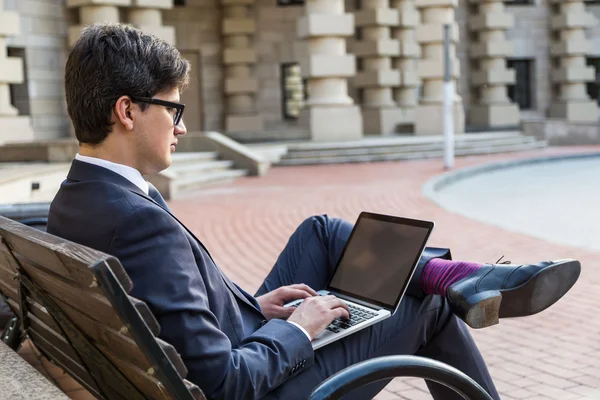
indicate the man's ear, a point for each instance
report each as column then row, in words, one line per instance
column 124, row 112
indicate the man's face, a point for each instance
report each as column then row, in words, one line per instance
column 156, row 135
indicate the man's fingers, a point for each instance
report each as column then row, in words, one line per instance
column 341, row 312
column 333, row 302
column 290, row 294
column 305, row 287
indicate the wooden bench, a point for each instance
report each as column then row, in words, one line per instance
column 72, row 302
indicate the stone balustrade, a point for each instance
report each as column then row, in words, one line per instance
column 239, row 59
column 430, row 35
column 13, row 127
column 406, row 94
column 92, row 11
column 571, row 101
column 490, row 76
column 147, row 16
column 377, row 78
column 330, row 113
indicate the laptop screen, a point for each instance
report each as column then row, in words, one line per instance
column 380, row 257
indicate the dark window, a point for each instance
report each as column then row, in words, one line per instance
column 522, row 91
column 593, row 88
column 290, row 2
column 293, row 90
column 19, row 92
column 179, row 2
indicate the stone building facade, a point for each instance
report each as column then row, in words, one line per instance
column 323, row 69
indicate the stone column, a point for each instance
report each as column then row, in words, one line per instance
column 330, row 113
column 492, row 106
column 239, row 58
column 12, row 126
column 147, row 16
column 377, row 78
column 571, row 101
column 406, row 95
column 92, row 11
column 430, row 35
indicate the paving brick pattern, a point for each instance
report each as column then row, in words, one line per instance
column 553, row 355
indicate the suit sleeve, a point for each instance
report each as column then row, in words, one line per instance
column 157, row 255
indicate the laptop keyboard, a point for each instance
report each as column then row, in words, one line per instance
column 357, row 315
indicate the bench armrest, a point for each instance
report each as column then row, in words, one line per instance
column 397, row 366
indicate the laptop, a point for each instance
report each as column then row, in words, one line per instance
column 373, row 271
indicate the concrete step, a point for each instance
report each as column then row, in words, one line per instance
column 272, row 152
column 193, row 170
column 195, row 181
column 411, row 155
column 189, row 167
column 416, row 147
column 193, row 157
column 400, row 140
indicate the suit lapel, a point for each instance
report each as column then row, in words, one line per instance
column 156, row 197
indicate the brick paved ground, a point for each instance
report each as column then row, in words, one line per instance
column 553, row 355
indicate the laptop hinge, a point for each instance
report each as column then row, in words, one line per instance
column 357, row 301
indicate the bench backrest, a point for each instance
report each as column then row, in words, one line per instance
column 73, row 303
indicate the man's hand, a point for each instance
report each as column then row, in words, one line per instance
column 271, row 304
column 315, row 313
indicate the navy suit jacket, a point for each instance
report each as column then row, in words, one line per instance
column 230, row 350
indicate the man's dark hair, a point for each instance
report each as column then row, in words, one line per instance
column 113, row 60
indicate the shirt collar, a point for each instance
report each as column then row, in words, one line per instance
column 131, row 174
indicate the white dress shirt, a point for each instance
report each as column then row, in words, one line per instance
column 135, row 177
column 131, row 174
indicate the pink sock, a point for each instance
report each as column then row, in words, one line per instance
column 440, row 274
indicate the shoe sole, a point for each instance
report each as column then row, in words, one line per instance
column 541, row 290
column 538, row 293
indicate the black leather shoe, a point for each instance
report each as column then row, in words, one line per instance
column 506, row 291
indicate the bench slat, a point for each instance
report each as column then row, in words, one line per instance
column 56, row 338
column 8, row 284
column 37, row 310
column 68, row 259
column 64, row 361
column 25, row 262
column 90, row 303
column 68, row 353
column 194, row 390
column 7, row 263
column 109, row 338
column 147, row 384
column 146, row 315
column 151, row 387
column 174, row 357
column 142, row 379
column 8, row 288
column 41, row 255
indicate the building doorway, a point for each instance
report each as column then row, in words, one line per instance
column 192, row 96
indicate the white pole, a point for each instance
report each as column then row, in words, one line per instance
column 448, row 103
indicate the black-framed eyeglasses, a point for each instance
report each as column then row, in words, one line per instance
column 178, row 107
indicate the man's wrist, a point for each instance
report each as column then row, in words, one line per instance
column 302, row 329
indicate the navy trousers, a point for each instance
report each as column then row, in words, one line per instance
column 423, row 325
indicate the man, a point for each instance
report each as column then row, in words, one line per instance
column 122, row 91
